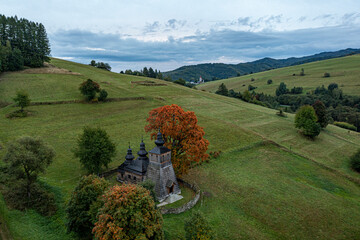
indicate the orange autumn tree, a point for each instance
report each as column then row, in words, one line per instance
column 181, row 134
column 128, row 213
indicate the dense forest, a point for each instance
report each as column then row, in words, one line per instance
column 22, row 43
column 216, row 71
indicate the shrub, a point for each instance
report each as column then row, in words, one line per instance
column 197, row 228
column 215, row 154
column 345, row 125
column 326, row 75
column 355, row 161
column 281, row 113
column 250, row 87
column 332, row 86
column 302, row 72
column 180, row 81
column 103, row 95
column 16, row 196
column 150, row 186
column 269, row 81
column 17, row 114
column 89, row 88
column 305, row 120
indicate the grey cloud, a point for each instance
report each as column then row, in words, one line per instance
column 324, row 17
column 202, row 47
column 302, row 19
column 268, row 21
column 152, row 27
column 350, row 18
column 175, row 24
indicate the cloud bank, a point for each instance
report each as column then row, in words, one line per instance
column 250, row 39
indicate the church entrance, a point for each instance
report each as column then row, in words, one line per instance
column 171, row 189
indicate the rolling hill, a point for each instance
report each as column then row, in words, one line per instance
column 215, row 71
column 344, row 71
column 268, row 183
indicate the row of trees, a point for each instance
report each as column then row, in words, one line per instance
column 23, row 42
column 145, row 72
column 339, row 107
column 100, row 65
column 282, row 89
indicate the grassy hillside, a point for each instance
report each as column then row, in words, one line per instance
column 345, row 71
column 257, row 188
column 212, row 71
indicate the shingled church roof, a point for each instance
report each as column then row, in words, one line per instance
column 137, row 166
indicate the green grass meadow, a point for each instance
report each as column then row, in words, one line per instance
column 344, row 71
column 254, row 190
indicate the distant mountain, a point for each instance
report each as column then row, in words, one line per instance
column 215, row 71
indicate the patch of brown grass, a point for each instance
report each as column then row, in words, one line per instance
column 48, row 69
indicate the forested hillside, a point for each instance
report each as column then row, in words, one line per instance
column 215, row 71
column 23, row 43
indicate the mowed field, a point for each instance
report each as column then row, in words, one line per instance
column 344, row 71
column 268, row 183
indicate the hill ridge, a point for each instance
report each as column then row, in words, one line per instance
column 216, row 71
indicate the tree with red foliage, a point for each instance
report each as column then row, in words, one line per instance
column 128, row 213
column 181, row 134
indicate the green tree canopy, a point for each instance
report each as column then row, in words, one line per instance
column 89, row 88
column 180, row 81
column 94, row 149
column 81, row 205
column 22, row 99
column 320, row 111
column 306, row 121
column 355, row 161
column 197, row 228
column 27, row 157
column 222, row 90
column 281, row 89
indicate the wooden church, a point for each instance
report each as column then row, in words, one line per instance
column 157, row 168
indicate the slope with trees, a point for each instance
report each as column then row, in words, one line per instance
column 216, row 71
column 237, row 185
column 22, row 42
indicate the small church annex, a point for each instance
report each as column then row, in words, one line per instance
column 157, row 168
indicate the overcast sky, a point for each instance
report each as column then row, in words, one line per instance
column 166, row 34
